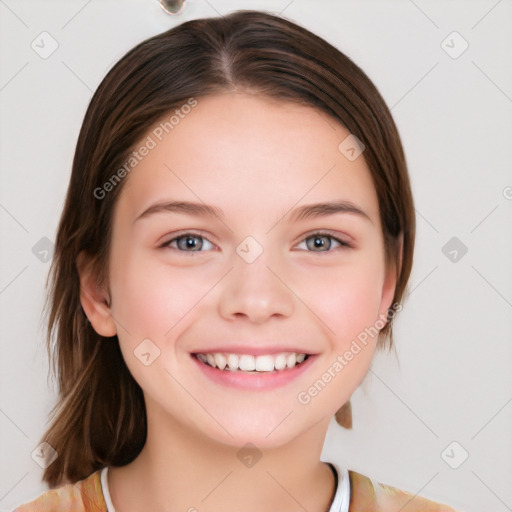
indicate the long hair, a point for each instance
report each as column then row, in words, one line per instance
column 100, row 417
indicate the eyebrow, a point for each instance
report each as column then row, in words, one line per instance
column 308, row 211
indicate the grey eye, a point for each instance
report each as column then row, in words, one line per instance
column 189, row 242
column 322, row 242
column 192, row 242
column 319, row 242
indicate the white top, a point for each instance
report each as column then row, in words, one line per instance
column 339, row 504
column 105, row 491
column 342, row 497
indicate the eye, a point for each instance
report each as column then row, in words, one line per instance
column 317, row 242
column 189, row 242
column 323, row 242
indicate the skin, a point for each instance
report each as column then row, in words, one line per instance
column 256, row 159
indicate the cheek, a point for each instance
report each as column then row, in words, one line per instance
column 347, row 299
column 154, row 301
column 347, row 303
column 151, row 298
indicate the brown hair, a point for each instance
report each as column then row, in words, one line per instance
column 100, row 417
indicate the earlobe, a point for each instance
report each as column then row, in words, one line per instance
column 94, row 299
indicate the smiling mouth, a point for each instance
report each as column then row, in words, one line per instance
column 252, row 364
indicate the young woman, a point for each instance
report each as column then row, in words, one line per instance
column 237, row 237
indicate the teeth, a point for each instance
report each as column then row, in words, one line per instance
column 232, row 362
column 248, row 363
column 265, row 363
column 280, row 362
column 220, row 361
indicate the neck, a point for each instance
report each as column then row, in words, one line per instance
column 180, row 470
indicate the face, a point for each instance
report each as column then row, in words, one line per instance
column 219, row 257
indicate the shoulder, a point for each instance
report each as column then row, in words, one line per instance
column 82, row 496
column 367, row 495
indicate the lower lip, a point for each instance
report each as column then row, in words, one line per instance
column 254, row 380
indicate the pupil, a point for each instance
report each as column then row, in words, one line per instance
column 190, row 242
column 321, row 242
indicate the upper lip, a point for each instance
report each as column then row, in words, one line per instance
column 253, row 350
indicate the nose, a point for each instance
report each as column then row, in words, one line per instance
column 255, row 291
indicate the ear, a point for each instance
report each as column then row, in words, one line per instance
column 392, row 273
column 94, row 299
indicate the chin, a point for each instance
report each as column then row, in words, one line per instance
column 266, row 429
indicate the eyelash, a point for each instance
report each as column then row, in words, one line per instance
column 343, row 244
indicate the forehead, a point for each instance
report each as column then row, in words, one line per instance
column 246, row 152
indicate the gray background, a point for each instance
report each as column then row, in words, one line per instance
column 451, row 380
